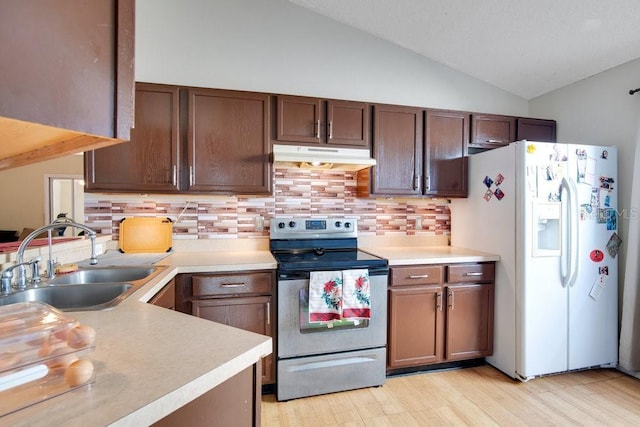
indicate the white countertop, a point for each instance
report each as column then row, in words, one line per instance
column 150, row 361
column 414, row 255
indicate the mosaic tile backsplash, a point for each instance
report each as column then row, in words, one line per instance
column 297, row 192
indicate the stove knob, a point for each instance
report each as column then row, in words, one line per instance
column 292, row 224
column 281, row 225
column 338, row 224
column 347, row 225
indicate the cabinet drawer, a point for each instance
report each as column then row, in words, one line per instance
column 471, row 273
column 421, row 275
column 226, row 284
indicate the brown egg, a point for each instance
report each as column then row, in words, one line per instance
column 45, row 349
column 79, row 372
column 61, row 358
column 60, row 332
column 81, row 336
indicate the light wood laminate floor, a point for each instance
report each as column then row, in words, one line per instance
column 479, row 396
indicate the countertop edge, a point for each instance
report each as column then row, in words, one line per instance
column 181, row 396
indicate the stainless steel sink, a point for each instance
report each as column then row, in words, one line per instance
column 96, row 296
column 103, row 275
column 90, row 288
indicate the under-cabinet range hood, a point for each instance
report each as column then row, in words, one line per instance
column 329, row 158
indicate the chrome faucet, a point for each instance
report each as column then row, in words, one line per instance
column 21, row 279
column 7, row 274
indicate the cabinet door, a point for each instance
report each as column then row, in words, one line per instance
column 469, row 330
column 536, row 130
column 491, row 131
column 228, row 142
column 397, row 148
column 415, row 326
column 299, row 119
column 166, row 297
column 348, row 123
column 69, row 64
column 150, row 162
column 249, row 313
column 446, row 136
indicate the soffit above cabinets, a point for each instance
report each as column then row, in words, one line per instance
column 23, row 143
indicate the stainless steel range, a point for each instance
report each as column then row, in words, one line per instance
column 323, row 357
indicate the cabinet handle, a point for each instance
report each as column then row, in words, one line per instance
column 416, row 180
column 439, row 300
column 427, row 183
column 190, row 176
column 419, row 276
column 175, row 175
column 494, row 141
column 268, row 313
column 450, row 299
column 473, row 274
column 233, row 285
column 330, row 129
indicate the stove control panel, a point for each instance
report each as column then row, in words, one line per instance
column 306, row 227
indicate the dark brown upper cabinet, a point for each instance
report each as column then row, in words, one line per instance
column 445, row 166
column 151, row 161
column 317, row 121
column 189, row 140
column 492, row 131
column 398, row 150
column 69, row 64
column 417, row 153
column 228, row 142
column 536, row 130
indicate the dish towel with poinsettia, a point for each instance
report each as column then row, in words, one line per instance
column 325, row 296
column 356, row 294
column 336, row 295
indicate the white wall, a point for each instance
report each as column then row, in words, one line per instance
column 600, row 111
column 22, row 191
column 276, row 46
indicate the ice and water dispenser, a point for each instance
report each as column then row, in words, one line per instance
column 547, row 237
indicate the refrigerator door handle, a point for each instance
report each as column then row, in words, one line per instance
column 565, row 247
column 574, row 237
column 569, row 252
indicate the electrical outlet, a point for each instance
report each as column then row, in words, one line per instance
column 99, row 250
column 258, row 223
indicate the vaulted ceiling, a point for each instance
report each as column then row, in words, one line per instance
column 526, row 47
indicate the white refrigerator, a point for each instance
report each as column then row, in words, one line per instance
column 550, row 212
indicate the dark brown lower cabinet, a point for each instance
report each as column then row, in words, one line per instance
column 249, row 313
column 415, row 326
column 469, row 321
column 235, row 402
column 440, row 313
column 166, row 297
column 243, row 300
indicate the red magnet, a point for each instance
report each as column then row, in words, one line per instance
column 596, row 255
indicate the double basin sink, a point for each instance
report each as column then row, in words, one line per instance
column 90, row 288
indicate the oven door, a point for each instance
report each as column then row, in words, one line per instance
column 298, row 337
